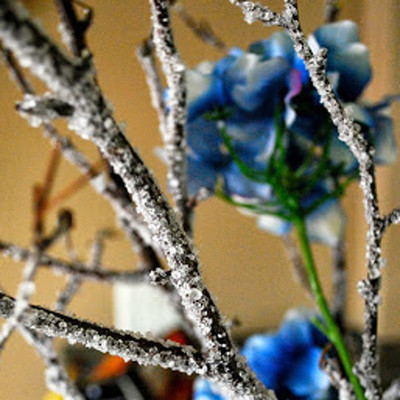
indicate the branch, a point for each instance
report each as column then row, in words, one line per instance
column 201, row 29
column 93, row 120
column 73, row 28
column 174, row 132
column 77, row 269
column 331, row 10
column 128, row 218
column 349, row 133
column 129, row 346
column 57, row 378
column 339, row 278
column 297, row 264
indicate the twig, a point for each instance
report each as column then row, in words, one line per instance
column 131, row 347
column 128, row 218
column 145, row 55
column 72, row 27
column 349, row 132
column 297, row 264
column 339, row 278
column 92, row 119
column 57, row 378
column 74, row 282
column 103, row 274
column 393, row 218
column 331, row 10
column 174, row 134
column 202, row 29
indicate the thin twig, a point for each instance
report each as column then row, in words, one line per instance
column 297, row 264
column 73, row 28
column 331, row 10
column 201, row 29
column 128, row 218
column 174, row 134
column 103, row 274
column 339, row 279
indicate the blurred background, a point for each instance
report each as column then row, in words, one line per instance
column 245, row 268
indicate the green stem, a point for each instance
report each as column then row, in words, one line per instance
column 332, row 329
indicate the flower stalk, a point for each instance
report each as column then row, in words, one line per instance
column 330, row 327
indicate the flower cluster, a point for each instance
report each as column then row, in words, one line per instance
column 259, row 137
column 286, row 361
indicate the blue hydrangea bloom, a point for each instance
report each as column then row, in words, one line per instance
column 243, row 93
column 286, row 361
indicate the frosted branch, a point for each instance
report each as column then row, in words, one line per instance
column 255, row 12
column 393, row 391
column 174, row 130
column 83, row 271
column 130, row 346
column 393, row 218
column 349, row 133
column 93, row 120
column 57, row 378
column 72, row 28
column 25, row 290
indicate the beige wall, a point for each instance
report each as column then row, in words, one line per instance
column 245, row 268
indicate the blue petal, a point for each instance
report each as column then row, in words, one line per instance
column 200, row 175
column 326, row 225
column 275, row 225
column 337, row 35
column 203, row 390
column 297, row 335
column 236, row 184
column 265, row 358
column 256, row 83
column 341, row 154
column 384, row 140
column 278, row 45
column 204, row 91
column 354, row 69
column 204, row 139
column 244, row 125
column 305, row 378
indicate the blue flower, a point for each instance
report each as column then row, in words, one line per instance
column 286, row 361
column 262, row 99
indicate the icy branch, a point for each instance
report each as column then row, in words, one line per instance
column 105, row 274
column 57, row 378
column 174, row 130
column 130, row 346
column 349, row 132
column 93, row 120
